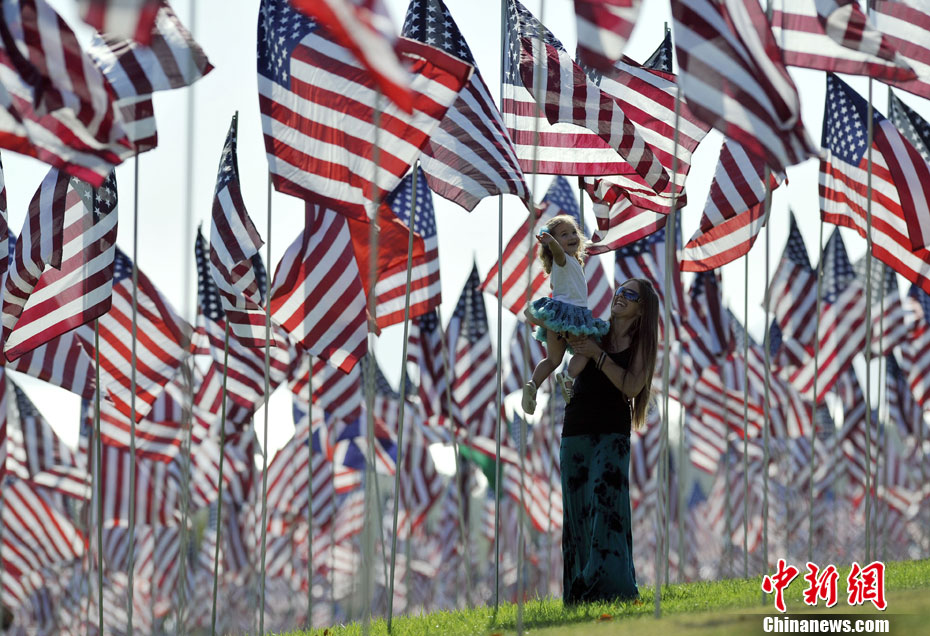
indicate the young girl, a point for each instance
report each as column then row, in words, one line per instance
column 566, row 312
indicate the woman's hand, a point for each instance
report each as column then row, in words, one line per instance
column 584, row 346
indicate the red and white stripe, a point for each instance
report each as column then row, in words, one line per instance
column 733, row 77
column 828, row 37
column 603, row 29
column 80, row 290
column 317, row 294
column 621, row 224
column 320, row 130
column 734, row 213
column 129, row 19
column 63, row 362
column 157, row 495
column 421, row 485
column 906, row 25
column 334, row 392
column 793, row 290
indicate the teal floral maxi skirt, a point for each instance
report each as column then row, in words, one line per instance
column 597, row 538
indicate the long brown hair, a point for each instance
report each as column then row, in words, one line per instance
column 545, row 252
column 644, row 334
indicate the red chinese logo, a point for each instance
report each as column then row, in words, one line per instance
column 867, row 584
column 822, row 586
column 778, row 582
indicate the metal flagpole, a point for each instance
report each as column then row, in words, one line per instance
column 880, row 425
column 132, row 388
column 768, row 377
column 403, row 393
column 671, row 246
column 746, row 416
column 99, row 445
column 261, row 606
column 727, row 499
column 219, row 486
column 810, row 498
column 681, row 480
column 310, row 488
column 551, row 408
column 868, row 334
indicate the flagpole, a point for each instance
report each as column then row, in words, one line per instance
column 813, row 423
column 403, row 400
column 746, row 416
column 551, row 430
column 219, row 487
column 671, row 247
column 681, row 480
column 261, row 607
column 132, row 388
column 99, row 444
column 310, row 489
column 868, row 334
column 766, row 345
column 880, row 425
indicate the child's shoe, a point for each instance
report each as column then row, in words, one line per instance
column 566, row 384
column 529, row 397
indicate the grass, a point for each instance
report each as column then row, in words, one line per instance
column 731, row 606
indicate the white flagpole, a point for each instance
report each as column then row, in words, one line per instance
column 132, row 388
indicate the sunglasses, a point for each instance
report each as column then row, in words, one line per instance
column 630, row 294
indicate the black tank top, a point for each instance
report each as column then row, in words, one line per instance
column 597, row 405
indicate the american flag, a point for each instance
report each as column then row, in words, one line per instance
column 317, row 294
column 365, row 28
column 890, row 324
column 39, row 243
column 521, row 267
column 576, row 129
column 425, row 290
column 901, row 183
column 840, row 39
column 852, row 435
column 81, row 289
column 471, row 358
column 234, row 242
column 622, row 223
column 323, row 154
column 734, row 212
column 426, row 350
column 167, row 57
column 707, row 325
column 906, row 25
column 915, row 352
column 334, row 391
column 3, row 433
column 62, row 361
column 603, row 28
column 841, row 331
column 36, row 453
column 525, row 353
column 746, row 93
column 74, row 126
column 161, row 344
column 126, row 19
column 903, row 409
column 793, row 291
column 646, row 259
column 421, row 485
column 470, row 155
column 246, row 365
column 4, row 228
column 36, row 538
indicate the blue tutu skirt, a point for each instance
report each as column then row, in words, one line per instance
column 565, row 318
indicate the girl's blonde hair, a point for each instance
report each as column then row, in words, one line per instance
column 545, row 253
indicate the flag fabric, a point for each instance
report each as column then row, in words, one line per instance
column 901, row 183
column 903, row 409
column 915, row 352
column 707, row 325
column 234, row 242
column 603, row 29
column 470, row 155
column 793, row 290
column 906, row 26
column 734, row 213
column 421, row 485
column 317, row 294
column 245, row 367
column 39, row 243
column 428, row 353
column 841, row 332
column 4, row 228
column 890, row 322
column 575, row 129
column 326, row 129
column 835, row 36
column 125, row 19
column 621, row 224
column 746, row 92
column 391, row 286
column 162, row 340
column 70, row 123
column 525, row 353
column 334, row 391
column 915, row 130
column 62, row 361
column 471, row 358
column 364, row 27
column 81, row 288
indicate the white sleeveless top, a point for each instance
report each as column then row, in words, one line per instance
column 568, row 283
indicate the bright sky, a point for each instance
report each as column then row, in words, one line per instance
column 227, row 32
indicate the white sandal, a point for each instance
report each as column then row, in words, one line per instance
column 567, row 385
column 529, row 397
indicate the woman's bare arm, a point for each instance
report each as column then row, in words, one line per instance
column 630, row 381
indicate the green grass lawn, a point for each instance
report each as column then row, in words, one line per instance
column 732, row 606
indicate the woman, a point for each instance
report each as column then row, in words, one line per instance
column 611, row 396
